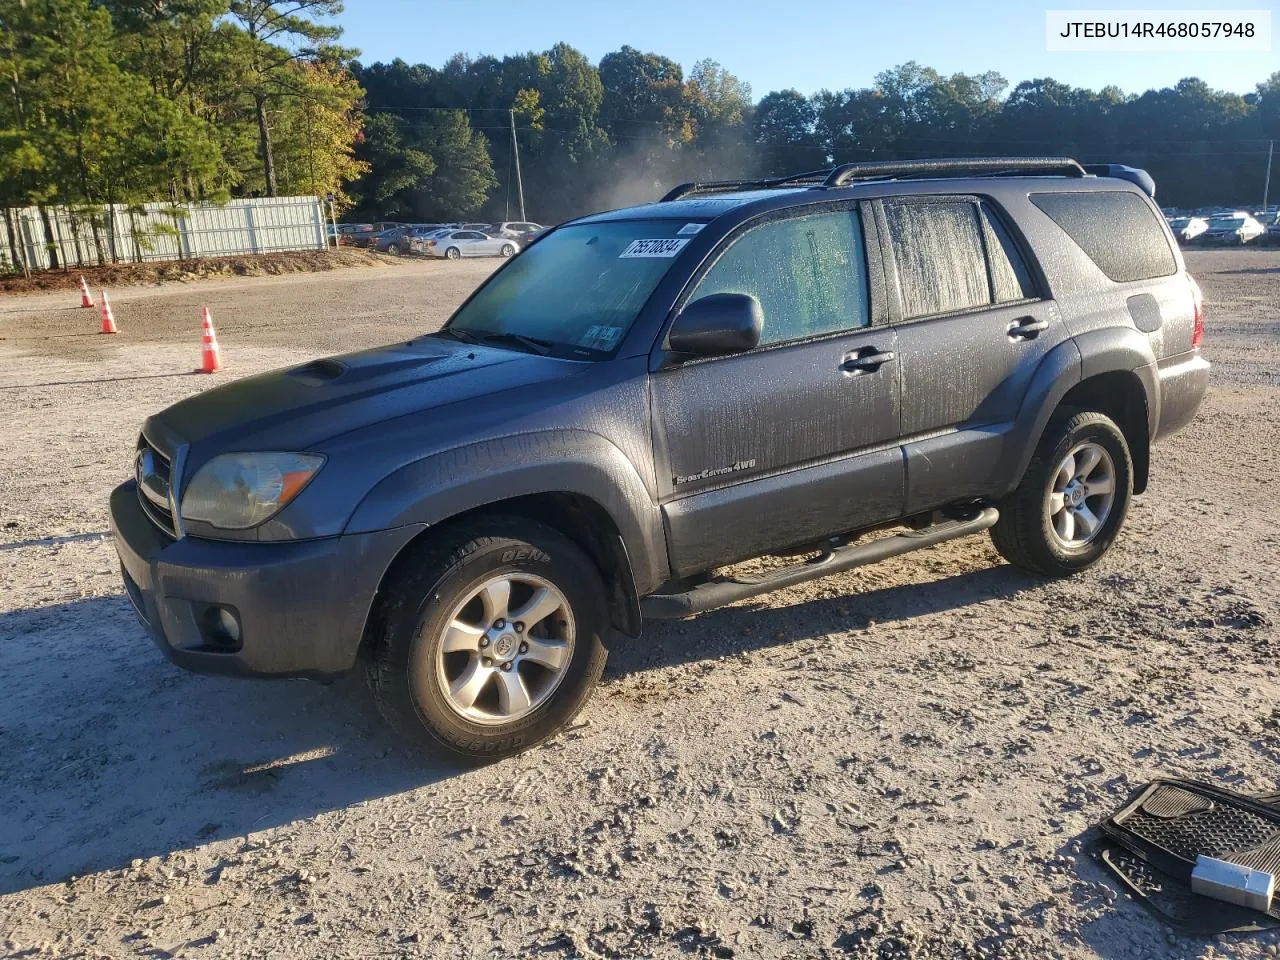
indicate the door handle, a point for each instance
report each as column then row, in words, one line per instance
column 1028, row 328
column 867, row 360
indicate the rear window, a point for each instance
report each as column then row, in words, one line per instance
column 1117, row 229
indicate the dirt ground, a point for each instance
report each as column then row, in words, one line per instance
column 115, row 275
column 904, row 760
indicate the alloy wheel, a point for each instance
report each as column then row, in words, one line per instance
column 1081, row 495
column 506, row 648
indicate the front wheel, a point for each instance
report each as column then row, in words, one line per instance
column 453, row 253
column 393, row 249
column 1073, row 499
column 490, row 640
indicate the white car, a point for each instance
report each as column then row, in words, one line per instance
column 455, row 244
column 1233, row 230
column 1187, row 229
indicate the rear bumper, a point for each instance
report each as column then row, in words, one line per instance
column 1183, row 382
column 301, row 606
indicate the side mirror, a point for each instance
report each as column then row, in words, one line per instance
column 716, row 325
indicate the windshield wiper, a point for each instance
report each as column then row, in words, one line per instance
column 532, row 344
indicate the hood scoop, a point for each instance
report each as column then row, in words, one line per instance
column 357, row 368
column 318, row 371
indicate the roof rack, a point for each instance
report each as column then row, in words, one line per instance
column 955, row 166
column 895, row 169
column 720, row 186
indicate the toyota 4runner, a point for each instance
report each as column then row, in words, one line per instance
column 919, row 350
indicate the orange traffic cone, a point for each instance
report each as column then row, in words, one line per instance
column 85, row 299
column 212, row 359
column 108, row 318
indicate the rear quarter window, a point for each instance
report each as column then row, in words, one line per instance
column 1116, row 229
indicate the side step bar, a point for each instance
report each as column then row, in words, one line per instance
column 719, row 592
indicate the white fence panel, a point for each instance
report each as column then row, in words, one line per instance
column 82, row 236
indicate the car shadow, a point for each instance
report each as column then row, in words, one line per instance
column 114, row 754
column 764, row 622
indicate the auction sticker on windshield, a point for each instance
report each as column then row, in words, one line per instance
column 652, row 248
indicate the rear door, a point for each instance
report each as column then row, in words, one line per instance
column 972, row 328
column 798, row 438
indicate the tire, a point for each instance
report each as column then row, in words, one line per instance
column 507, row 250
column 393, row 249
column 1031, row 535
column 422, row 690
column 453, row 253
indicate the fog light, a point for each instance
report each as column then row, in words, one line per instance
column 222, row 627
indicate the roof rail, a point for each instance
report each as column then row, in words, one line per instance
column 719, row 186
column 890, row 169
column 958, row 166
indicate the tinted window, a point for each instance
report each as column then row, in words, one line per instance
column 1010, row 277
column 1118, row 230
column 809, row 274
column 937, row 246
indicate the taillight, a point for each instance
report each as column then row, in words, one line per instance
column 1197, row 303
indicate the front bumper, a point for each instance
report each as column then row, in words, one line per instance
column 301, row 606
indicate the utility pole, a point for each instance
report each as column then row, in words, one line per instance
column 1266, row 187
column 515, row 152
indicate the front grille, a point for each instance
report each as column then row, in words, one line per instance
column 153, row 471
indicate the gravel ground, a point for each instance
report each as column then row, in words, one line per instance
column 904, row 760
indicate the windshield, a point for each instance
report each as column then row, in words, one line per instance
column 1226, row 223
column 578, row 289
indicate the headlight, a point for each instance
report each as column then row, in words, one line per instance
column 235, row 491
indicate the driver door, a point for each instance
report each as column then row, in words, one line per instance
column 798, row 438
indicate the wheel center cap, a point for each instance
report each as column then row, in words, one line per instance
column 504, row 646
column 1076, row 496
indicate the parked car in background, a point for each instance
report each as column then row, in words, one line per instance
column 516, row 229
column 348, row 232
column 414, row 240
column 1272, row 237
column 455, row 244
column 485, row 228
column 369, row 238
column 396, row 240
column 1187, row 229
column 1234, row 230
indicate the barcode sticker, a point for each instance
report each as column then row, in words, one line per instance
column 652, row 248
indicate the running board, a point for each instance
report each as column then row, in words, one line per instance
column 717, row 593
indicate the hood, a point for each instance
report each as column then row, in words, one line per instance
column 299, row 407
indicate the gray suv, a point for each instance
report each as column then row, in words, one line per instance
column 648, row 396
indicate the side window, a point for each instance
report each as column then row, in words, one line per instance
column 809, row 274
column 1119, row 231
column 937, row 246
column 1010, row 277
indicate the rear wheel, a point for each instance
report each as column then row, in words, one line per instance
column 1073, row 499
column 507, row 250
column 393, row 249
column 453, row 253
column 490, row 640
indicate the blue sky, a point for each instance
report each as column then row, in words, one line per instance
column 774, row 44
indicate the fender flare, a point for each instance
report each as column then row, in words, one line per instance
column 445, row 484
column 1104, row 350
